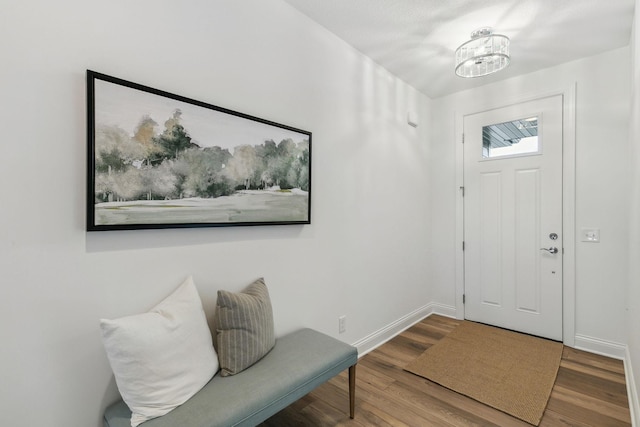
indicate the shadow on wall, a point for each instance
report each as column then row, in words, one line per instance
column 107, row 241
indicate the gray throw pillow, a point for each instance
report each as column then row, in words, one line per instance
column 244, row 324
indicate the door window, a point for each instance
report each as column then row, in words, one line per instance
column 515, row 138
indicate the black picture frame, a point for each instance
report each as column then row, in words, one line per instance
column 160, row 160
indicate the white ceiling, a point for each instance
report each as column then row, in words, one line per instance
column 416, row 39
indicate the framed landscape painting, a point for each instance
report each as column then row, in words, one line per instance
column 159, row 160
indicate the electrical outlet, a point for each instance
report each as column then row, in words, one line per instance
column 342, row 324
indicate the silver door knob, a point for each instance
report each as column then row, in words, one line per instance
column 551, row 250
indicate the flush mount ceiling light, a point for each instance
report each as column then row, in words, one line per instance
column 485, row 53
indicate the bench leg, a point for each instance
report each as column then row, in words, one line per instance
column 352, row 391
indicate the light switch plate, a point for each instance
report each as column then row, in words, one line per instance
column 591, row 235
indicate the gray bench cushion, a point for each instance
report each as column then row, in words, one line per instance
column 298, row 363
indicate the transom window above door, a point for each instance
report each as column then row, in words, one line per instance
column 514, row 138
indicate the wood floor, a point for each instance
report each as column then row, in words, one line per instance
column 590, row 390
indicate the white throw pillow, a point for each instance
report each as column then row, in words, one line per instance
column 163, row 357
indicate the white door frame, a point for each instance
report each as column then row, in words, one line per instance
column 568, row 198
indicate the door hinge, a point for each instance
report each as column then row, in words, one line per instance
column 462, row 190
column 463, row 298
column 463, row 245
column 463, row 138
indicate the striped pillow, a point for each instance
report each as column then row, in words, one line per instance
column 244, row 323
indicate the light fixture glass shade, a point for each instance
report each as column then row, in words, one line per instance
column 484, row 54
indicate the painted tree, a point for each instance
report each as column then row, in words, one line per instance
column 174, row 139
column 159, row 182
column 144, row 134
column 115, row 150
column 217, row 181
column 243, row 165
column 118, row 187
column 298, row 174
column 206, row 175
column 265, row 152
column 115, row 154
column 280, row 163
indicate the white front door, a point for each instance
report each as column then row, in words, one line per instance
column 513, row 217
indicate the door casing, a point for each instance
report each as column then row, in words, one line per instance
column 568, row 202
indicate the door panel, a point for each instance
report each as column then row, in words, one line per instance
column 527, row 217
column 512, row 204
column 490, row 248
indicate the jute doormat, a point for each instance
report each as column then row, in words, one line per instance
column 509, row 371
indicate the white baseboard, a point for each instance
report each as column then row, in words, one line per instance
column 601, row 347
column 381, row 336
column 444, row 310
column 616, row 351
column 632, row 392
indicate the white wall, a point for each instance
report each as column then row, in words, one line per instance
column 602, row 114
column 633, row 304
column 364, row 255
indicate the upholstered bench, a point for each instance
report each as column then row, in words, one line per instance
column 298, row 363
